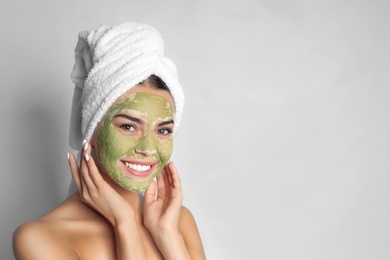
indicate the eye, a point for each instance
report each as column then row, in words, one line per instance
column 164, row 131
column 128, row 127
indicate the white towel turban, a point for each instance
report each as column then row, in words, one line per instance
column 110, row 61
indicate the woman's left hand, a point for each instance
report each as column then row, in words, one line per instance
column 162, row 213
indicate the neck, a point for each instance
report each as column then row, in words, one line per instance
column 134, row 199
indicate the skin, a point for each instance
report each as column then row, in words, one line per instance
column 105, row 221
column 121, row 138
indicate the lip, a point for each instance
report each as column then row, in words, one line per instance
column 137, row 174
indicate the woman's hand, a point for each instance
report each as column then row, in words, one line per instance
column 162, row 213
column 99, row 195
column 95, row 191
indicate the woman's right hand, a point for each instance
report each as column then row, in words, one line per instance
column 95, row 191
column 98, row 194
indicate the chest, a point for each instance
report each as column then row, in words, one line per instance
column 98, row 242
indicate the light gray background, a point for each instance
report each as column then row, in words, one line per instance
column 284, row 146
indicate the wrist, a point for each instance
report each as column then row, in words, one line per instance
column 128, row 240
column 125, row 219
column 165, row 232
column 167, row 238
column 171, row 244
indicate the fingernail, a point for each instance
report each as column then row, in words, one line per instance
column 85, row 146
column 84, row 141
column 86, row 157
column 67, row 155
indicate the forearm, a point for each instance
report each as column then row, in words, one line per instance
column 171, row 245
column 128, row 241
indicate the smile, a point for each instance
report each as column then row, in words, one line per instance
column 138, row 167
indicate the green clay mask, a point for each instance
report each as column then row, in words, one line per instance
column 135, row 139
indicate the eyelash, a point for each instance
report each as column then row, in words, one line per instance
column 160, row 131
column 128, row 127
column 132, row 128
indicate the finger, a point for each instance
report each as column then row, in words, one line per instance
column 82, row 149
column 160, row 179
column 94, row 173
column 161, row 184
column 83, row 186
column 85, row 172
column 168, row 181
column 150, row 193
column 74, row 169
column 169, row 174
column 83, row 165
column 175, row 176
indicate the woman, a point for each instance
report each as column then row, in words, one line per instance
column 126, row 106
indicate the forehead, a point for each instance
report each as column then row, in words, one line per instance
column 148, row 105
column 147, row 89
column 163, row 94
column 145, row 102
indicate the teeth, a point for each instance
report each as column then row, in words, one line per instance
column 138, row 167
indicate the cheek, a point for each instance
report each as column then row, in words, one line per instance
column 112, row 145
column 165, row 150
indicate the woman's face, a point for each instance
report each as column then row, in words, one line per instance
column 134, row 141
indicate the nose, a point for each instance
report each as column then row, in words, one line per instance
column 146, row 146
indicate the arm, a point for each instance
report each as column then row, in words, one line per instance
column 171, row 225
column 99, row 195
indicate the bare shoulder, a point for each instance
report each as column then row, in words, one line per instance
column 190, row 233
column 186, row 218
column 70, row 231
column 36, row 240
column 47, row 236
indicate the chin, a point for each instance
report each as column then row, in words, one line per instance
column 135, row 187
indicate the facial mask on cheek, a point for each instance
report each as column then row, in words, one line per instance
column 131, row 161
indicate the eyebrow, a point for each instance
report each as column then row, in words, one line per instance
column 137, row 120
column 166, row 123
